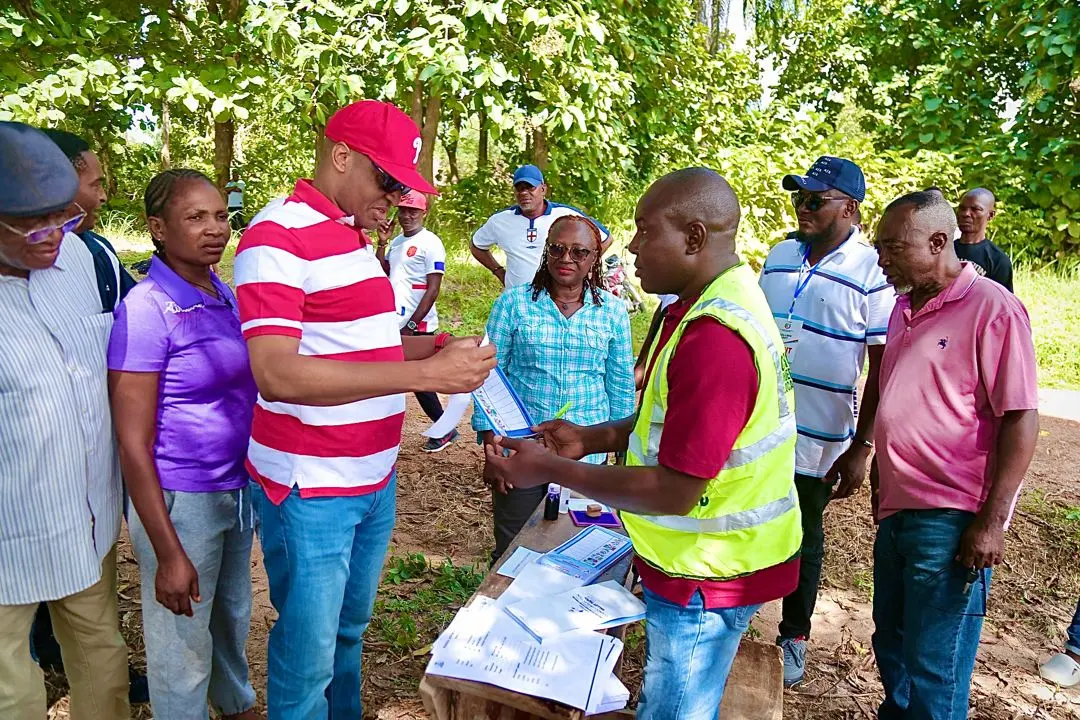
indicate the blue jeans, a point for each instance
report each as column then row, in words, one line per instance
column 688, row 655
column 926, row 629
column 1073, row 643
column 190, row 660
column 323, row 558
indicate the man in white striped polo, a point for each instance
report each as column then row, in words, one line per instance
column 832, row 304
column 60, row 499
column 321, row 325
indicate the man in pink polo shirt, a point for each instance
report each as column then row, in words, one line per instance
column 321, row 326
column 955, row 431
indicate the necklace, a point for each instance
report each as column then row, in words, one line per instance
column 212, row 291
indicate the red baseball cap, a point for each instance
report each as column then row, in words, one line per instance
column 416, row 200
column 386, row 135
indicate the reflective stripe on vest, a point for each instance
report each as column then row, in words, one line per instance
column 649, row 456
column 742, row 520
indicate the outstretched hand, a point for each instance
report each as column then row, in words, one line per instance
column 563, row 438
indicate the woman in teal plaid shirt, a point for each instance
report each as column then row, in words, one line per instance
column 561, row 340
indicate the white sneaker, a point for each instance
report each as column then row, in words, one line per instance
column 1061, row 670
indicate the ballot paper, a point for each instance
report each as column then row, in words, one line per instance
column 516, row 563
column 452, row 414
column 482, row 644
column 589, row 554
column 615, row 696
column 539, row 580
column 593, row 607
column 502, row 407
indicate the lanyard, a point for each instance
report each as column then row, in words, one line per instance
column 803, row 282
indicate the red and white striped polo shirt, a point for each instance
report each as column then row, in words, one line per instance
column 303, row 271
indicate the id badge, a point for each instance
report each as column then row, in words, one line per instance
column 790, row 330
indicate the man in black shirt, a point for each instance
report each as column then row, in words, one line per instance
column 972, row 216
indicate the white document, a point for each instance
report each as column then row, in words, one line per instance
column 515, row 563
column 615, row 697
column 593, row 607
column 452, row 414
column 484, row 645
column 538, row 580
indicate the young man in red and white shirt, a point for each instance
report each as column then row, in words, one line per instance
column 318, row 315
column 415, row 260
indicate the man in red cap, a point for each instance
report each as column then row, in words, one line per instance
column 415, row 260
column 318, row 313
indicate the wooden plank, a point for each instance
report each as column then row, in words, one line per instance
column 755, row 687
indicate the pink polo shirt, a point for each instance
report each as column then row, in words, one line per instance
column 949, row 373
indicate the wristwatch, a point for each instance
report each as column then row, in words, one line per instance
column 411, row 325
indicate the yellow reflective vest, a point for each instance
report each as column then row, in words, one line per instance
column 748, row 518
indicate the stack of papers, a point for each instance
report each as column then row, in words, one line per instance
column 539, row 638
column 594, row 607
column 483, row 644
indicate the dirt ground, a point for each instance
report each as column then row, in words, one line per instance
column 444, row 512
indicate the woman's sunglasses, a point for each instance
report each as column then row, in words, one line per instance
column 388, row 184
column 577, row 254
column 40, row 235
column 813, row 203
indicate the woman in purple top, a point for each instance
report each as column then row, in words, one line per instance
column 182, row 401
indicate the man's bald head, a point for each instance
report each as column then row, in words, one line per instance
column 976, row 210
column 982, row 195
column 699, row 195
column 686, row 224
column 915, row 240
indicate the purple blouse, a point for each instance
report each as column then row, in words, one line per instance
column 206, row 393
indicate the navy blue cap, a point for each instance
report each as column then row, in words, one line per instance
column 36, row 178
column 830, row 172
column 529, row 174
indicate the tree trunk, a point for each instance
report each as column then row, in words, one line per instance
column 223, row 151
column 166, row 151
column 416, row 101
column 539, row 148
column 451, row 145
column 428, row 134
column 482, row 145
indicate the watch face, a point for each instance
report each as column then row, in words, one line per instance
column 411, row 325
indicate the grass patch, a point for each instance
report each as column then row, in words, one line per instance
column 418, row 599
column 1053, row 301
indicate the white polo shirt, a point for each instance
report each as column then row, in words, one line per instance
column 844, row 305
column 411, row 260
column 523, row 238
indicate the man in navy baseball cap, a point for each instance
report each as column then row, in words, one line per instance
column 830, row 172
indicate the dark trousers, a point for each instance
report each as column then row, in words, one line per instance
column 799, row 605
column 429, row 401
column 512, row 511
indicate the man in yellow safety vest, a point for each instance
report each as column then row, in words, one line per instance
column 707, row 494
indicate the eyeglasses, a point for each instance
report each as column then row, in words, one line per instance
column 813, row 203
column 40, row 235
column 577, row 254
column 387, row 182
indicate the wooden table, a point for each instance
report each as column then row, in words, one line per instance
column 754, row 691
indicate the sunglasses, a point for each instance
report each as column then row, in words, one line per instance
column 577, row 254
column 42, row 234
column 387, row 182
column 813, row 203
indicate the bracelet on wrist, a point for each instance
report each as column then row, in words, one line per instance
column 869, row 444
column 441, row 340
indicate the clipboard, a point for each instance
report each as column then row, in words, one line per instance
column 502, row 407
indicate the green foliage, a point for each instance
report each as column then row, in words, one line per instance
column 1053, row 302
column 406, row 618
